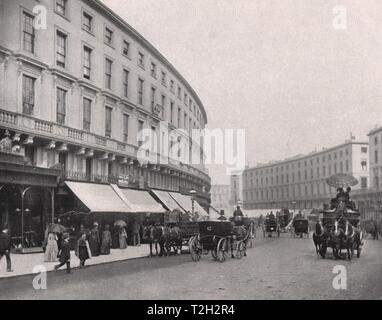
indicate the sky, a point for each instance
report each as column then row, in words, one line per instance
column 277, row 68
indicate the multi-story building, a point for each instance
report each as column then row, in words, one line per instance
column 375, row 143
column 236, row 188
column 220, row 195
column 78, row 85
column 300, row 182
column 370, row 200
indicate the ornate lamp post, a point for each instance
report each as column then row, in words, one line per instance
column 193, row 193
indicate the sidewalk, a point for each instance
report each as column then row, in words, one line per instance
column 23, row 264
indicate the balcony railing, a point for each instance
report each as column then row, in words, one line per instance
column 85, row 177
column 51, row 130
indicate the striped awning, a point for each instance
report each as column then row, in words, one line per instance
column 98, row 197
column 167, row 200
column 186, row 203
column 141, row 201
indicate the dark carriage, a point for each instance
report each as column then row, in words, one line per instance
column 271, row 225
column 301, row 227
column 219, row 237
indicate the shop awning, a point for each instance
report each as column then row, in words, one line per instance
column 167, row 200
column 98, row 197
column 141, row 201
column 186, row 203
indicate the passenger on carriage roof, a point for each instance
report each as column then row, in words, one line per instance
column 222, row 217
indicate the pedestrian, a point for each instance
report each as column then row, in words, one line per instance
column 122, row 238
column 83, row 251
column 106, row 241
column 5, row 247
column 51, row 249
column 64, row 253
column 95, row 240
column 136, row 239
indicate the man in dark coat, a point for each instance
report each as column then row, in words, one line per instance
column 64, row 254
column 238, row 212
column 222, row 217
column 5, row 247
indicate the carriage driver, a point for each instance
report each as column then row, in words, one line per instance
column 238, row 215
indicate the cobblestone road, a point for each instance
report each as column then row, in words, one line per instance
column 284, row 268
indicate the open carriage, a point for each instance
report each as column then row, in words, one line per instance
column 219, row 238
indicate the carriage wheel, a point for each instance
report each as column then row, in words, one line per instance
column 222, row 250
column 240, row 250
column 322, row 251
column 250, row 243
column 195, row 249
column 214, row 254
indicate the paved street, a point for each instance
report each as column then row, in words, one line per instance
column 284, row 268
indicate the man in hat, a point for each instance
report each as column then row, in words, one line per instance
column 64, row 253
column 222, row 217
column 5, row 247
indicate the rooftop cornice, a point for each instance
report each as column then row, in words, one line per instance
column 305, row 156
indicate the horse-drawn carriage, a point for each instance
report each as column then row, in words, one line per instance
column 301, row 227
column 269, row 226
column 284, row 217
column 339, row 228
column 219, row 238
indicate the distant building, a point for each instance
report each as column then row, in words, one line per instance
column 220, row 195
column 236, row 188
column 300, row 182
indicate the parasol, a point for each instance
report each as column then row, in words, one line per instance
column 57, row 228
column 341, row 180
column 120, row 223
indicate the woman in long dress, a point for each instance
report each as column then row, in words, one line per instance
column 51, row 250
column 122, row 238
column 106, row 241
column 94, row 240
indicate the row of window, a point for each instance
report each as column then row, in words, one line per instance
column 297, row 191
column 314, row 174
column 61, row 58
column 305, row 163
column 28, row 102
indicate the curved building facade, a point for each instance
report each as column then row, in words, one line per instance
column 78, row 85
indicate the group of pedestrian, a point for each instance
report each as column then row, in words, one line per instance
column 89, row 243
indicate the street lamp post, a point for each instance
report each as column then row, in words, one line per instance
column 294, row 207
column 193, row 193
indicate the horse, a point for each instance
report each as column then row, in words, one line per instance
column 172, row 239
column 240, row 233
column 154, row 234
column 319, row 237
column 371, row 227
column 328, row 236
column 351, row 240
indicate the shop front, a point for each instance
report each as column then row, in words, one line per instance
column 27, row 195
